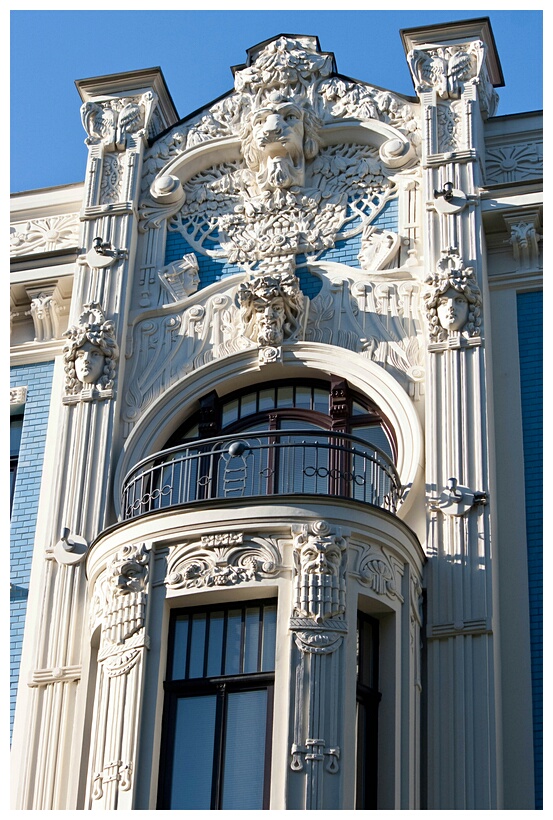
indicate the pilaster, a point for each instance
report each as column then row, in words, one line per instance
column 454, row 70
column 118, row 113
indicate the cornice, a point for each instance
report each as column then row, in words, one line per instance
column 33, row 353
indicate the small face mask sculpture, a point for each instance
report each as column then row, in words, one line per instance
column 452, row 310
column 89, row 363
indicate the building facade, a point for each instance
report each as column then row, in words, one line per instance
column 275, row 416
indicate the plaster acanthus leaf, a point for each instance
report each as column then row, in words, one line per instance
column 48, row 234
column 345, row 99
column 284, row 63
column 112, row 121
column 381, row 572
column 452, row 299
column 45, row 312
column 224, row 559
column 90, row 355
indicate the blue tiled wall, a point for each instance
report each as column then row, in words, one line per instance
column 38, row 379
column 530, row 316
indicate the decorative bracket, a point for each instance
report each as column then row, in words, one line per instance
column 449, row 200
column 102, row 254
column 70, row 549
column 456, row 500
column 315, row 750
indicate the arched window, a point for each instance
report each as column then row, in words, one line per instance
column 290, row 405
column 287, row 438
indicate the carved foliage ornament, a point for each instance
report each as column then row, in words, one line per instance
column 223, row 559
column 292, row 67
column 452, row 299
column 51, row 233
column 90, row 355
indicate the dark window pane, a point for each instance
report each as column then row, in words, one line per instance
column 269, row 639
column 320, row 400
column 245, row 761
column 178, row 671
column 197, row 647
column 193, row 753
column 16, row 426
column 251, row 647
column 234, row 641
column 230, row 412
column 303, row 397
column 267, row 399
column 374, row 434
column 285, row 397
column 215, row 647
column 248, row 405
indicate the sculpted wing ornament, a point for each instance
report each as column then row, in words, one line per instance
column 459, row 69
column 97, row 122
column 130, row 120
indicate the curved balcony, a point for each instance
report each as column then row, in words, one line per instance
column 277, row 462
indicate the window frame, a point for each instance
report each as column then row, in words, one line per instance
column 14, row 454
column 368, row 697
column 211, row 409
column 220, row 686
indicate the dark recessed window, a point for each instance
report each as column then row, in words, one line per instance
column 217, row 723
column 16, row 427
column 368, row 698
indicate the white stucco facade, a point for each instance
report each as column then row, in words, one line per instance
column 284, row 341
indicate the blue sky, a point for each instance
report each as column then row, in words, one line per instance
column 195, row 49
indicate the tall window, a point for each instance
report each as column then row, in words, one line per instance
column 16, row 426
column 368, row 698
column 217, row 722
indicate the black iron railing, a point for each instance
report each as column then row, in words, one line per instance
column 260, row 464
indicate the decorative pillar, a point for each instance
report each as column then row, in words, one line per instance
column 319, row 625
column 119, row 114
column 119, row 604
column 454, row 68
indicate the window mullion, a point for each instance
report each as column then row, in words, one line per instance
column 219, row 750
